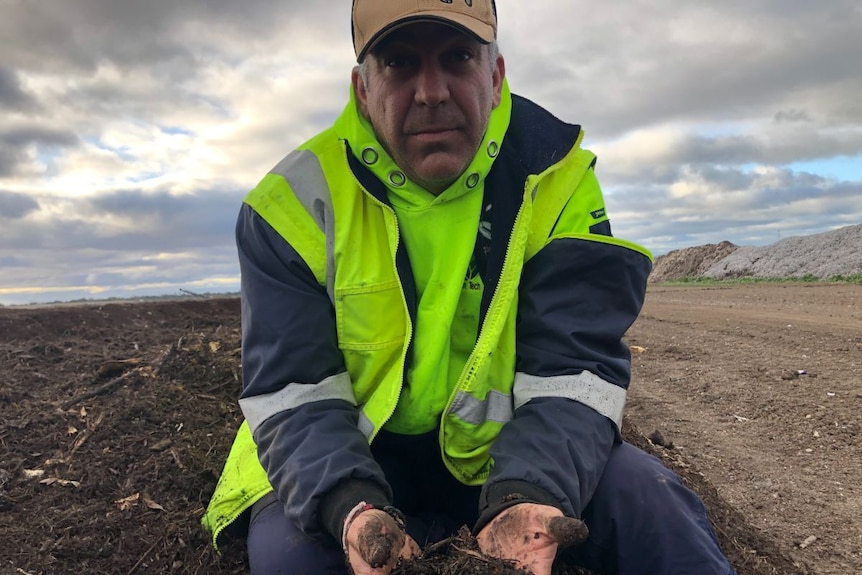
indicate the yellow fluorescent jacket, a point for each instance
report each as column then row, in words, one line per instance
column 355, row 260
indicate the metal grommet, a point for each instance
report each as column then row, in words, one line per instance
column 397, row 179
column 493, row 148
column 370, row 155
column 472, row 180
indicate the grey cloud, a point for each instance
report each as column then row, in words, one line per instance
column 769, row 148
column 643, row 173
column 7, row 262
column 104, row 60
column 792, row 116
column 15, row 140
column 677, row 63
column 95, row 103
column 735, row 149
column 759, row 191
column 690, row 232
column 140, row 222
column 34, row 134
column 217, row 261
column 722, row 177
column 66, row 274
column 14, row 206
column 166, row 220
column 771, row 145
column 80, row 34
column 741, row 207
column 9, row 160
column 12, row 96
column 153, row 239
column 109, row 268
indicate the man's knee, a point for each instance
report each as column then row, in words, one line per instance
column 277, row 547
column 638, row 494
column 633, row 476
column 644, row 513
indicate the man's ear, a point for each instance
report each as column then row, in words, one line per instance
column 497, row 78
column 360, row 91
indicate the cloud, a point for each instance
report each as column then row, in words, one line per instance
column 638, row 63
column 792, row 116
column 657, row 155
column 707, row 205
column 167, row 222
column 81, row 35
column 131, row 130
column 22, row 136
column 14, row 206
column 126, row 242
column 12, row 96
column 124, row 220
column 20, row 142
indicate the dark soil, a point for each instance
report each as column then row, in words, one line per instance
column 117, row 418
column 457, row 555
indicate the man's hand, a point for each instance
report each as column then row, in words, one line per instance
column 529, row 534
column 375, row 542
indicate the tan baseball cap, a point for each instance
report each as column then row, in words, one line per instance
column 373, row 19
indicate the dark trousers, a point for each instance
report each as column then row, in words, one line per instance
column 642, row 521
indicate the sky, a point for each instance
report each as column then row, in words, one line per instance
column 130, row 131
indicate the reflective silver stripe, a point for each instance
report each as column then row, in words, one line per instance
column 585, row 387
column 302, row 171
column 496, row 407
column 365, row 424
column 260, row 407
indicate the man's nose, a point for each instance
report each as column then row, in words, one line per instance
column 432, row 86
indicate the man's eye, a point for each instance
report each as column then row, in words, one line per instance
column 461, row 55
column 397, row 62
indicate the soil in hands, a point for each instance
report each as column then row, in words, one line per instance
column 460, row 555
column 457, row 555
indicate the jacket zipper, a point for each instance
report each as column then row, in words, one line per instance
column 490, row 316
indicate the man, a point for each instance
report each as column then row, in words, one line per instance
column 433, row 311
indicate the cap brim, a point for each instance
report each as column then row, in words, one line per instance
column 477, row 29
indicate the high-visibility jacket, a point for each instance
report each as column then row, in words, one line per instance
column 327, row 201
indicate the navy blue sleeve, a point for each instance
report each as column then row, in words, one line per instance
column 577, row 300
column 553, row 453
column 288, row 323
column 317, row 460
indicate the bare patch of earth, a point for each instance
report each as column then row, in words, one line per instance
column 759, row 389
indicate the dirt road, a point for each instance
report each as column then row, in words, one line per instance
column 759, row 388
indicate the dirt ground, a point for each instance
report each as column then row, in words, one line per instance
column 117, row 417
column 759, row 388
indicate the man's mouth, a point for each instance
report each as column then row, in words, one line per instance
column 430, row 131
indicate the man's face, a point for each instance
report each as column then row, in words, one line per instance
column 430, row 91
